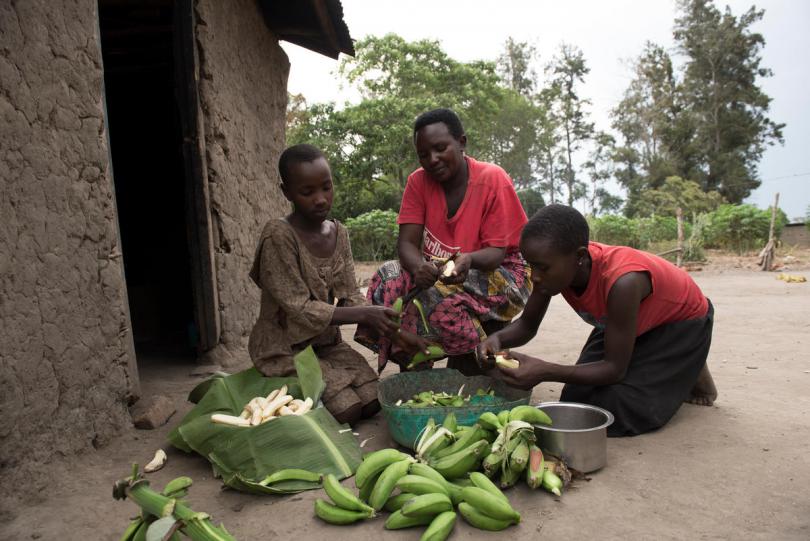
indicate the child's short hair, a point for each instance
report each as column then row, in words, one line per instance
column 564, row 226
column 302, row 153
column 447, row 116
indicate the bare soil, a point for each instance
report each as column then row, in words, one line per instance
column 737, row 469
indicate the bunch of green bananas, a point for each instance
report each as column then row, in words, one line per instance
column 346, row 509
column 514, row 451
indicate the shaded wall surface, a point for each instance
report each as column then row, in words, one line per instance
column 243, row 97
column 65, row 342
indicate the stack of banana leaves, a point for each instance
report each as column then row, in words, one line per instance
column 286, row 455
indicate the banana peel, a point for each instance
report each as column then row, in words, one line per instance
column 791, row 278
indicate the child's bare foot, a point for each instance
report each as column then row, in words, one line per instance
column 704, row 393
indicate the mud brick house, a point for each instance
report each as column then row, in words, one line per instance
column 138, row 148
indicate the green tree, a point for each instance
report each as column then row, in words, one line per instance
column 567, row 111
column 723, row 65
column 676, row 192
column 370, row 143
column 599, row 167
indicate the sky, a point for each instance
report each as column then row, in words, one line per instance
column 611, row 34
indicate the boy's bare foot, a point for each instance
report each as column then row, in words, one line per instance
column 704, row 393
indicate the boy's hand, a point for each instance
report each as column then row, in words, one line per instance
column 531, row 371
column 382, row 319
column 462, row 263
column 426, row 274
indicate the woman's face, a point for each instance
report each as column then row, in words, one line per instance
column 439, row 153
column 310, row 189
column 552, row 271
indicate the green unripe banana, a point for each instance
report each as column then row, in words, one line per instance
column 519, row 457
column 385, row 484
column 552, row 483
column 291, row 474
column 483, row 482
column 529, row 414
column 440, row 527
column 489, row 504
column 395, row 503
column 397, row 521
column 416, row 484
column 535, row 467
column 427, row 505
column 374, row 463
column 469, row 437
column 479, row 520
column 503, row 417
column 450, row 422
column 177, row 485
column 132, row 529
column 489, row 421
column 336, row 515
column 509, row 474
column 462, row 462
column 365, row 492
column 433, row 352
column 492, row 463
column 418, row 468
column 342, row 497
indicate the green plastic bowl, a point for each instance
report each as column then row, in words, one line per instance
column 405, row 424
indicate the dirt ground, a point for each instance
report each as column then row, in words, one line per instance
column 738, row 469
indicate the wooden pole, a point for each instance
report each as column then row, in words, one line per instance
column 679, row 216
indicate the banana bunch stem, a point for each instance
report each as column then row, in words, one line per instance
column 195, row 525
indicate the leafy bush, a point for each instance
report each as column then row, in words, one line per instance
column 532, row 200
column 616, row 230
column 353, row 199
column 374, row 235
column 741, row 227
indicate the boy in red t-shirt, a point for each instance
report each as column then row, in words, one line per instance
column 652, row 325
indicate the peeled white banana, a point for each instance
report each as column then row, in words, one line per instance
column 157, row 462
column 262, row 409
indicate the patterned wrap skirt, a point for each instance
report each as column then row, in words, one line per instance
column 454, row 313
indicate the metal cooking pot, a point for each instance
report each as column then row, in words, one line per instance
column 578, row 434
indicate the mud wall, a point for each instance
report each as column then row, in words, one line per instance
column 65, row 346
column 243, row 97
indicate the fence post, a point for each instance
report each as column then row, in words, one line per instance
column 679, row 216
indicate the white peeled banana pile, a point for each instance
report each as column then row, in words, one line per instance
column 262, row 409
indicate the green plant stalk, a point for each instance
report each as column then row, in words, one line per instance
column 197, row 526
column 422, row 314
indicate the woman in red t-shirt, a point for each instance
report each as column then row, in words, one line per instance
column 652, row 325
column 454, row 207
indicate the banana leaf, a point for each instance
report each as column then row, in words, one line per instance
column 243, row 456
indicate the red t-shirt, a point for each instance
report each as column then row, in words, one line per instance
column 489, row 215
column 675, row 296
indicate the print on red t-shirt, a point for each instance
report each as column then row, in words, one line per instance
column 433, row 247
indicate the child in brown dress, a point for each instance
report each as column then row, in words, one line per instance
column 305, row 270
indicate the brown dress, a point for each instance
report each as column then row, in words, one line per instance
column 299, row 295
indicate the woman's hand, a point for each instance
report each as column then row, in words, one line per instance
column 531, row 371
column 462, row 262
column 487, row 350
column 410, row 343
column 381, row 319
column 426, row 274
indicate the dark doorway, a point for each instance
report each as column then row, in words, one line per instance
column 146, row 144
